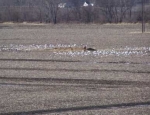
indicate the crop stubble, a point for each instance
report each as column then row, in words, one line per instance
column 44, row 82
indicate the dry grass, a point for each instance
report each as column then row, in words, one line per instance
column 68, row 49
column 41, row 82
column 138, row 32
column 24, row 23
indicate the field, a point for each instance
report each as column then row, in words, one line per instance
column 45, row 70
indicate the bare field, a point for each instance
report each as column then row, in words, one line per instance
column 45, row 70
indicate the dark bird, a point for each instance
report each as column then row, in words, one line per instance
column 88, row 49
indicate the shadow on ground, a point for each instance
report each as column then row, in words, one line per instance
column 121, row 105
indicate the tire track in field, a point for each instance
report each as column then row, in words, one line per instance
column 66, row 61
column 73, row 70
column 80, row 108
column 77, row 81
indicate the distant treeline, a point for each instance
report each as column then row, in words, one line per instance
column 73, row 11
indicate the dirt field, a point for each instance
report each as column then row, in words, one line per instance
column 44, row 69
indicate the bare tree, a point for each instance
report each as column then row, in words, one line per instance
column 52, row 10
column 87, row 14
column 77, row 9
column 124, row 6
column 48, row 11
column 115, row 10
column 40, row 14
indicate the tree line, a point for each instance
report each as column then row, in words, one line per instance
column 48, row 11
